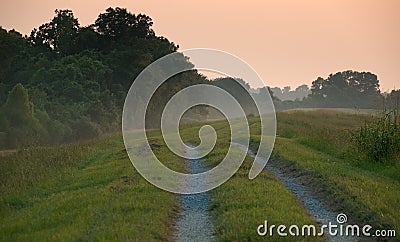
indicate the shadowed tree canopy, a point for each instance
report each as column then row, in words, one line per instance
column 77, row 76
column 59, row 34
column 118, row 22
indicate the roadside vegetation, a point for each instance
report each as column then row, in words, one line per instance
column 318, row 144
column 90, row 191
column 379, row 139
column 318, row 147
column 83, row 191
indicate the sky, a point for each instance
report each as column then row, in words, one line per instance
column 287, row 42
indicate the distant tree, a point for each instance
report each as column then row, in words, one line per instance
column 302, row 89
column 287, row 94
column 346, row 89
column 316, row 88
column 239, row 89
column 276, row 91
column 286, row 90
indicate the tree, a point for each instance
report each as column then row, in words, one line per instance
column 316, row 88
column 239, row 89
column 347, row 89
column 86, row 39
column 21, row 127
column 118, row 22
column 58, row 35
column 11, row 44
column 77, row 77
column 18, row 108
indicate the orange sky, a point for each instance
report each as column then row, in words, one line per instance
column 287, row 42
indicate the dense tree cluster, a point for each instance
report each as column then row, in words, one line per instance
column 347, row 89
column 66, row 81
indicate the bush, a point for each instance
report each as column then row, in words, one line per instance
column 379, row 139
column 55, row 131
column 85, row 129
column 18, row 120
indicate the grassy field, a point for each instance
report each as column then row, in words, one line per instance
column 314, row 144
column 317, row 143
column 83, row 191
column 90, row 190
column 240, row 205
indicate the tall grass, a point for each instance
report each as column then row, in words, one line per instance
column 88, row 191
column 379, row 140
column 323, row 130
column 318, row 144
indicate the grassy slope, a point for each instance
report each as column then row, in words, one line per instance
column 90, row 191
column 317, row 143
column 84, row 191
column 240, row 205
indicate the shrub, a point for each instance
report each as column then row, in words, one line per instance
column 85, row 129
column 22, row 128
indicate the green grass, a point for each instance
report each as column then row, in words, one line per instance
column 90, row 190
column 84, row 191
column 318, row 145
column 240, row 205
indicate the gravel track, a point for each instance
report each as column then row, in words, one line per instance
column 318, row 210
column 194, row 222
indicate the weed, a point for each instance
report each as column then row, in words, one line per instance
column 379, row 139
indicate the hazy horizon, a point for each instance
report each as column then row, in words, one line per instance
column 287, row 43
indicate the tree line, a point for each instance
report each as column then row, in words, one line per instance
column 65, row 81
column 346, row 89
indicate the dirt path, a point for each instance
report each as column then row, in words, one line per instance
column 194, row 221
column 317, row 208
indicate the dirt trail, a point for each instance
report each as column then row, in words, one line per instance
column 194, row 222
column 318, row 210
